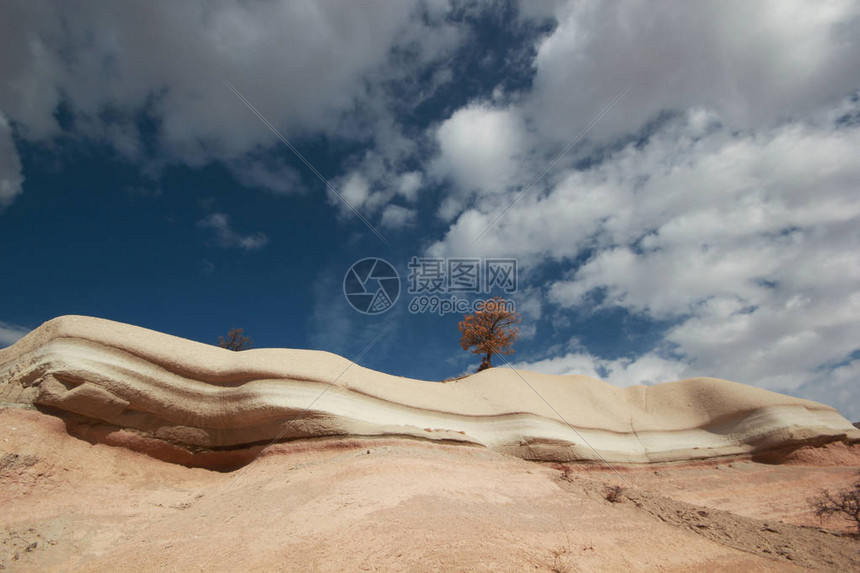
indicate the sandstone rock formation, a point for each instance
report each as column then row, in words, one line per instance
column 202, row 398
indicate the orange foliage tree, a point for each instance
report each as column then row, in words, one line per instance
column 492, row 330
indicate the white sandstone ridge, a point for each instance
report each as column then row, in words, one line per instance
column 205, row 398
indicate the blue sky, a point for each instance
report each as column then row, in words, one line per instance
column 705, row 225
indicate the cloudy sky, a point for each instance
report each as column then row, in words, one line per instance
column 704, row 219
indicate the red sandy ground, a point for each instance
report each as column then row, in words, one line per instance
column 404, row 505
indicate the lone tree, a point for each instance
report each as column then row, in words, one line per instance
column 235, row 340
column 492, row 330
column 845, row 503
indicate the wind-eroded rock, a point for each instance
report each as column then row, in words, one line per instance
column 202, row 398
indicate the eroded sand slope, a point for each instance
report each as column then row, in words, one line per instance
column 395, row 504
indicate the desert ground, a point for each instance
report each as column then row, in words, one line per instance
column 398, row 504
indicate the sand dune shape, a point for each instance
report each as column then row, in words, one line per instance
column 201, row 397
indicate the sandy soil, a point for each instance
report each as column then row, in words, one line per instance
column 759, row 490
column 403, row 505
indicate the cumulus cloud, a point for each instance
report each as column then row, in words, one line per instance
column 529, row 304
column 371, row 186
column 480, row 149
column 304, row 67
column 226, row 237
column 408, row 185
column 396, row 217
column 838, row 387
column 756, row 65
column 749, row 242
column 647, row 369
column 754, row 68
column 355, row 189
column 11, row 333
column 11, row 177
column 267, row 173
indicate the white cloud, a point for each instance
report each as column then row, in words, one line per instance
column 11, row 177
column 397, row 217
column 272, row 174
column 354, row 189
column 837, row 387
column 750, row 68
column 580, row 363
column 409, row 184
column 11, row 333
column 226, row 237
column 749, row 242
column 554, row 226
column 305, row 67
column 764, row 279
column 647, row 369
column 480, row 149
column 371, row 186
column 756, row 64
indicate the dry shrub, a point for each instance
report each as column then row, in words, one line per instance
column 613, row 493
column 845, row 504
